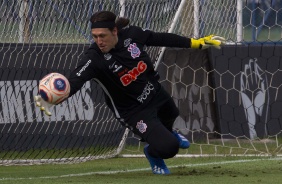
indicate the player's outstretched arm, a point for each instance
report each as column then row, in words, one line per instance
column 207, row 41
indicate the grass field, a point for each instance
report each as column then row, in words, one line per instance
column 136, row 170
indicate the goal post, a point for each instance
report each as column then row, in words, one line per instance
column 191, row 10
column 239, row 24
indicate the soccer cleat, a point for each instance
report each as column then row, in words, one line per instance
column 157, row 164
column 183, row 142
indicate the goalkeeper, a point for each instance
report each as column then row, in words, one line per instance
column 118, row 62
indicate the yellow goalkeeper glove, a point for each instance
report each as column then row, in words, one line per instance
column 43, row 105
column 207, row 41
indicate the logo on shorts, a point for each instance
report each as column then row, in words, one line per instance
column 141, row 126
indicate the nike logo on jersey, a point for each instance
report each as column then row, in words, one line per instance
column 115, row 67
column 112, row 66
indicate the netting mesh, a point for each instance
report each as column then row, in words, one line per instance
column 39, row 37
column 82, row 127
column 229, row 99
column 250, row 20
column 60, row 21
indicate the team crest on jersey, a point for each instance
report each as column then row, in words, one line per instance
column 141, row 126
column 127, row 42
column 134, row 50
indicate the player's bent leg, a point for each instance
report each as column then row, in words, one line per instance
column 157, row 164
column 162, row 144
column 168, row 113
column 183, row 142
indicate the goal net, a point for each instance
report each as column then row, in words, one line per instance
column 39, row 37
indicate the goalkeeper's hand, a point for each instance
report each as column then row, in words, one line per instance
column 43, row 105
column 207, row 41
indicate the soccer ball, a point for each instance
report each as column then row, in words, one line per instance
column 54, row 88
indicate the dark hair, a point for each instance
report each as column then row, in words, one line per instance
column 108, row 16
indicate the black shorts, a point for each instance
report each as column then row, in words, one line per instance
column 161, row 111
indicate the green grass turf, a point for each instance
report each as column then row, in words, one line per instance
column 136, row 170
